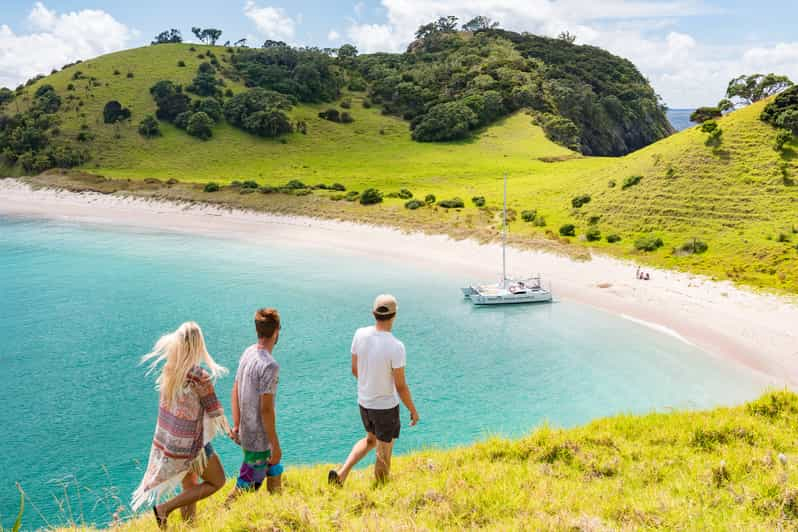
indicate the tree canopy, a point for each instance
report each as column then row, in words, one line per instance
column 782, row 112
column 168, row 36
column 207, row 35
column 747, row 89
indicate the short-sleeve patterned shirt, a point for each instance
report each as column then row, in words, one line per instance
column 257, row 374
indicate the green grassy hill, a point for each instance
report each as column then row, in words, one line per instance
column 724, row 469
column 738, row 198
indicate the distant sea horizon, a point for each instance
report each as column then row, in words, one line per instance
column 680, row 118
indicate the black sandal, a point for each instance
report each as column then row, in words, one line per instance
column 160, row 520
column 333, row 479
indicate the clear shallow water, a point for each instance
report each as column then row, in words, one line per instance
column 80, row 304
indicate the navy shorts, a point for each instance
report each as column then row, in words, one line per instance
column 384, row 424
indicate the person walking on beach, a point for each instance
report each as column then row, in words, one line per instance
column 189, row 417
column 253, row 408
column 378, row 364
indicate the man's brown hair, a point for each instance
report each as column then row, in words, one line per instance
column 267, row 320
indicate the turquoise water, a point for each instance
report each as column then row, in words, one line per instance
column 81, row 304
column 680, row 118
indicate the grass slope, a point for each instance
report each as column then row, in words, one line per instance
column 716, row 470
column 738, row 198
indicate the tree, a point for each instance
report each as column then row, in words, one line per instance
column 725, row 105
column 269, row 43
column 6, row 95
column 241, row 43
column 747, row 89
column 446, row 24
column 783, row 136
column 782, row 112
column 170, row 100
column 168, row 36
column 210, row 107
column 446, row 121
column 149, row 127
column 702, row 114
column 259, row 111
column 205, row 83
column 199, row 125
column 347, row 51
column 207, row 35
column 480, row 23
column 269, row 123
column 197, row 32
column 567, row 36
column 114, row 112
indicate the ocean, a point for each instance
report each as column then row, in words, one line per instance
column 80, row 304
column 680, row 118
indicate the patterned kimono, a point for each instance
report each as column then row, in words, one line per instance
column 183, row 429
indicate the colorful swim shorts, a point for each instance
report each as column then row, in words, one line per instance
column 253, row 470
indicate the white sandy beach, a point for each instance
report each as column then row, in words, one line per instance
column 759, row 331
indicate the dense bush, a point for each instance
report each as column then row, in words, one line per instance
column 259, row 111
column 114, row 112
column 6, row 95
column 593, row 234
column 210, row 107
column 405, row 194
column 648, row 243
column 149, row 127
column 631, row 181
column 330, row 114
column 782, row 112
column 446, row 121
column 479, row 201
column 580, row 200
column 613, row 238
column 169, row 99
column 205, row 83
column 454, row 203
column 560, row 130
column 370, row 196
column 352, row 195
column 295, row 184
column 783, row 136
column 429, row 199
column 414, row 204
column 539, row 221
column 337, row 186
column 306, row 73
column 529, row 216
column 694, row 246
column 346, row 103
column 568, row 230
column 702, row 114
column 199, row 125
column 346, row 118
column 211, row 187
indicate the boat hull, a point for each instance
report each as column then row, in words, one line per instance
column 511, row 299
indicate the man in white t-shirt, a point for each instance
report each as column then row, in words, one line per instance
column 378, row 364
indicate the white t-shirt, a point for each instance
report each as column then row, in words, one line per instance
column 378, row 354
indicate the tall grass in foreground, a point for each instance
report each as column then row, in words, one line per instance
column 727, row 469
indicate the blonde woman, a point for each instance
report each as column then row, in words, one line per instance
column 189, row 416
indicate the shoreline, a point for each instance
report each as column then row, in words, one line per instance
column 755, row 330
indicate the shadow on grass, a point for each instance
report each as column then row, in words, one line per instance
column 788, row 154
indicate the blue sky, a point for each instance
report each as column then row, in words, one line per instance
column 688, row 49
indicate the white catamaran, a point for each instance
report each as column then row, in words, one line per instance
column 508, row 291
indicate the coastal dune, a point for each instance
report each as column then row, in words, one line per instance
column 756, row 330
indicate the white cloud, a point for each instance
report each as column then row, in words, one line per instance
column 57, row 39
column 272, row 22
column 684, row 70
column 333, row 35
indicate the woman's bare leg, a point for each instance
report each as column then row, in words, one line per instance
column 213, row 480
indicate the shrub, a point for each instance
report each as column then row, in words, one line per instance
column 694, row 246
column 260, row 112
column 783, row 237
column 351, row 195
column 129, row 75
column 580, row 200
column 445, row 121
column 114, row 112
column 210, row 107
column 414, row 204
column 302, row 192
column 337, row 186
column 370, row 196
column 249, row 184
column 593, row 220
column 613, row 238
column 295, row 184
column 611, row 183
column 199, row 125
column 346, row 118
column 211, row 187
column 593, row 234
column 568, row 230
column 330, row 114
column 405, row 194
column 539, row 221
column 631, row 181
column 648, row 243
column 783, row 136
column 366, row 104
column 228, row 93
column 529, row 216
column 479, row 201
column 346, row 104
column 181, row 120
column 169, row 99
column 454, row 203
column 267, row 189
column 703, row 114
column 429, row 199
column 149, row 127
column 181, row 63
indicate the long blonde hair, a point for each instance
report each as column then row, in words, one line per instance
column 181, row 350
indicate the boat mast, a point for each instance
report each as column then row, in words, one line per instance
column 504, row 236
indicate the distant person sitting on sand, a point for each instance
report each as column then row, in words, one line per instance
column 253, row 408
column 378, row 364
column 189, row 416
